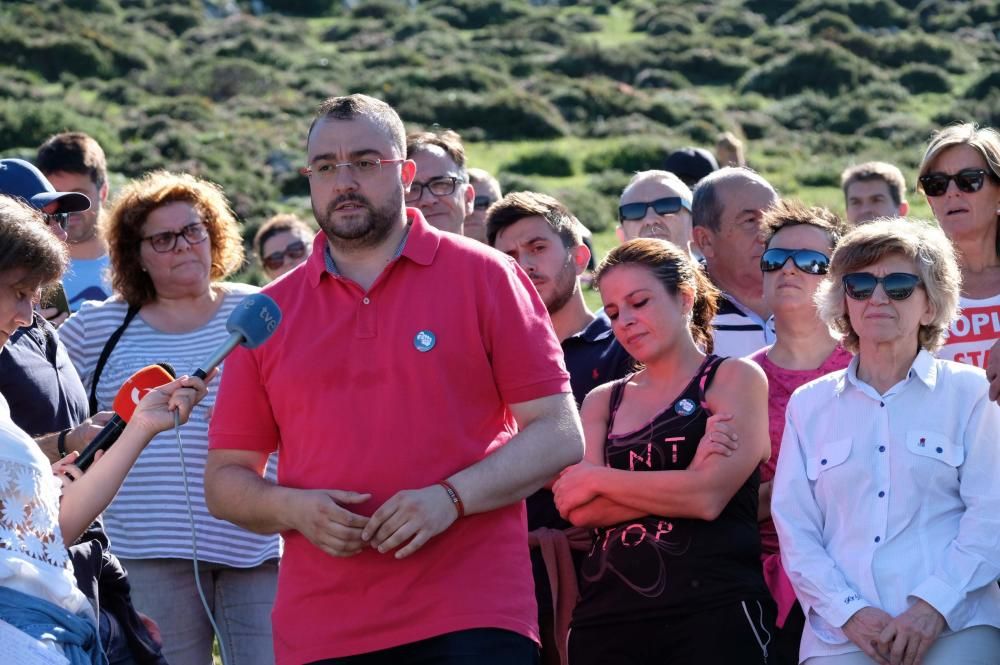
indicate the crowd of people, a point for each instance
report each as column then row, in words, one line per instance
column 774, row 443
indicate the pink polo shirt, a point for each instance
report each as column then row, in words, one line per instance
column 387, row 390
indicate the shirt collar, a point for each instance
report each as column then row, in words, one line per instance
column 923, row 368
column 419, row 244
column 597, row 330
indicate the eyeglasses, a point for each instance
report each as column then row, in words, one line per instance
column 897, row 285
column 364, row 167
column 807, row 260
column 442, row 186
column 481, row 202
column 294, row 250
column 631, row 212
column 60, row 218
column 967, row 180
column 166, row 241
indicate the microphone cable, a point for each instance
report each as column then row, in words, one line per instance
column 194, row 542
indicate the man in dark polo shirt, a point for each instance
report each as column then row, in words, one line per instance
column 546, row 240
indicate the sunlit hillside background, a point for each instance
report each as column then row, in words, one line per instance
column 564, row 97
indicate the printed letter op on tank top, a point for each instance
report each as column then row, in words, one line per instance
column 663, row 566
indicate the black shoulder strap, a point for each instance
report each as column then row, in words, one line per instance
column 109, row 346
column 706, row 374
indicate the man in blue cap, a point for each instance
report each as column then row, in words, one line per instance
column 37, row 378
column 48, row 400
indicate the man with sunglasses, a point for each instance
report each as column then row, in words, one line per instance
column 441, row 188
column 655, row 204
column 726, row 214
column 487, row 190
column 873, row 190
column 46, row 396
column 418, row 395
column 75, row 162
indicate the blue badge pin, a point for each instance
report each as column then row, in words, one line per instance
column 685, row 407
column 424, row 341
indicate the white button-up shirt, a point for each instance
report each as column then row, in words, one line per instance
column 882, row 499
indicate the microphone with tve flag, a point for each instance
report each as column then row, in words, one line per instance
column 133, row 390
column 251, row 323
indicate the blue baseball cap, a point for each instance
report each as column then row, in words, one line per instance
column 22, row 180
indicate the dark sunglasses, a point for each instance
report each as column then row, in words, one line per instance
column 274, row 260
column 669, row 205
column 60, row 218
column 482, row 202
column 967, row 180
column 806, row 260
column 897, row 285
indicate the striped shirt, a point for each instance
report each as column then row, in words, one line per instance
column 149, row 519
column 738, row 331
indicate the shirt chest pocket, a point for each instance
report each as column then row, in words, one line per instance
column 827, row 455
column 935, row 445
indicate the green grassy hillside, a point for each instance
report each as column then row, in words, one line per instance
column 571, row 96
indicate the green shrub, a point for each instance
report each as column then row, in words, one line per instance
column 919, row 77
column 54, row 55
column 705, row 66
column 633, row 124
column 596, row 212
column 481, row 13
column 660, row 78
column 382, row 10
column 983, row 86
column 823, row 67
column 545, row 162
column 629, row 156
column 303, row 7
column 850, row 117
column 514, row 182
column 226, row 78
column 807, row 112
column 658, row 21
column 609, row 183
column 770, row 9
column 826, row 24
column 867, row 13
column 732, row 22
column 26, row 123
column 178, row 19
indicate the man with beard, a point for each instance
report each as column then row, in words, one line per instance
column 417, row 394
column 441, row 188
column 546, row 240
column 655, row 204
column 74, row 162
column 726, row 213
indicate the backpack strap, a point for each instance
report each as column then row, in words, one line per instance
column 109, row 346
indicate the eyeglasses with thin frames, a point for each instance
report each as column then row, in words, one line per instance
column 362, row 167
column 166, row 241
column 442, row 186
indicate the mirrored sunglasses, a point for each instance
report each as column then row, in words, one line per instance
column 806, row 260
column 897, row 285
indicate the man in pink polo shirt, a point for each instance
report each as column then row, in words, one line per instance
column 416, row 393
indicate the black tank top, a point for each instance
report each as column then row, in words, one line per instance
column 660, row 565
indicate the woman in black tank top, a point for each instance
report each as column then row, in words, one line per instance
column 673, row 575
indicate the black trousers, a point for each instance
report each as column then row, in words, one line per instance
column 478, row 646
column 736, row 634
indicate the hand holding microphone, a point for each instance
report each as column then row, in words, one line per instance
column 251, row 323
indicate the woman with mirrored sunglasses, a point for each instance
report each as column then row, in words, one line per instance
column 960, row 175
column 281, row 243
column 798, row 242
column 172, row 241
column 885, row 497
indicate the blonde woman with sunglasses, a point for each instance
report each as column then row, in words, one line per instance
column 885, row 500
column 960, row 176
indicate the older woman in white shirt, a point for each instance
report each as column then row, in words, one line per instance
column 885, row 499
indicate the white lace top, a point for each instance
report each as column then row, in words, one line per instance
column 33, row 558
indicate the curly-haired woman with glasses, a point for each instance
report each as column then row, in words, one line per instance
column 960, row 176
column 885, row 497
column 172, row 238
